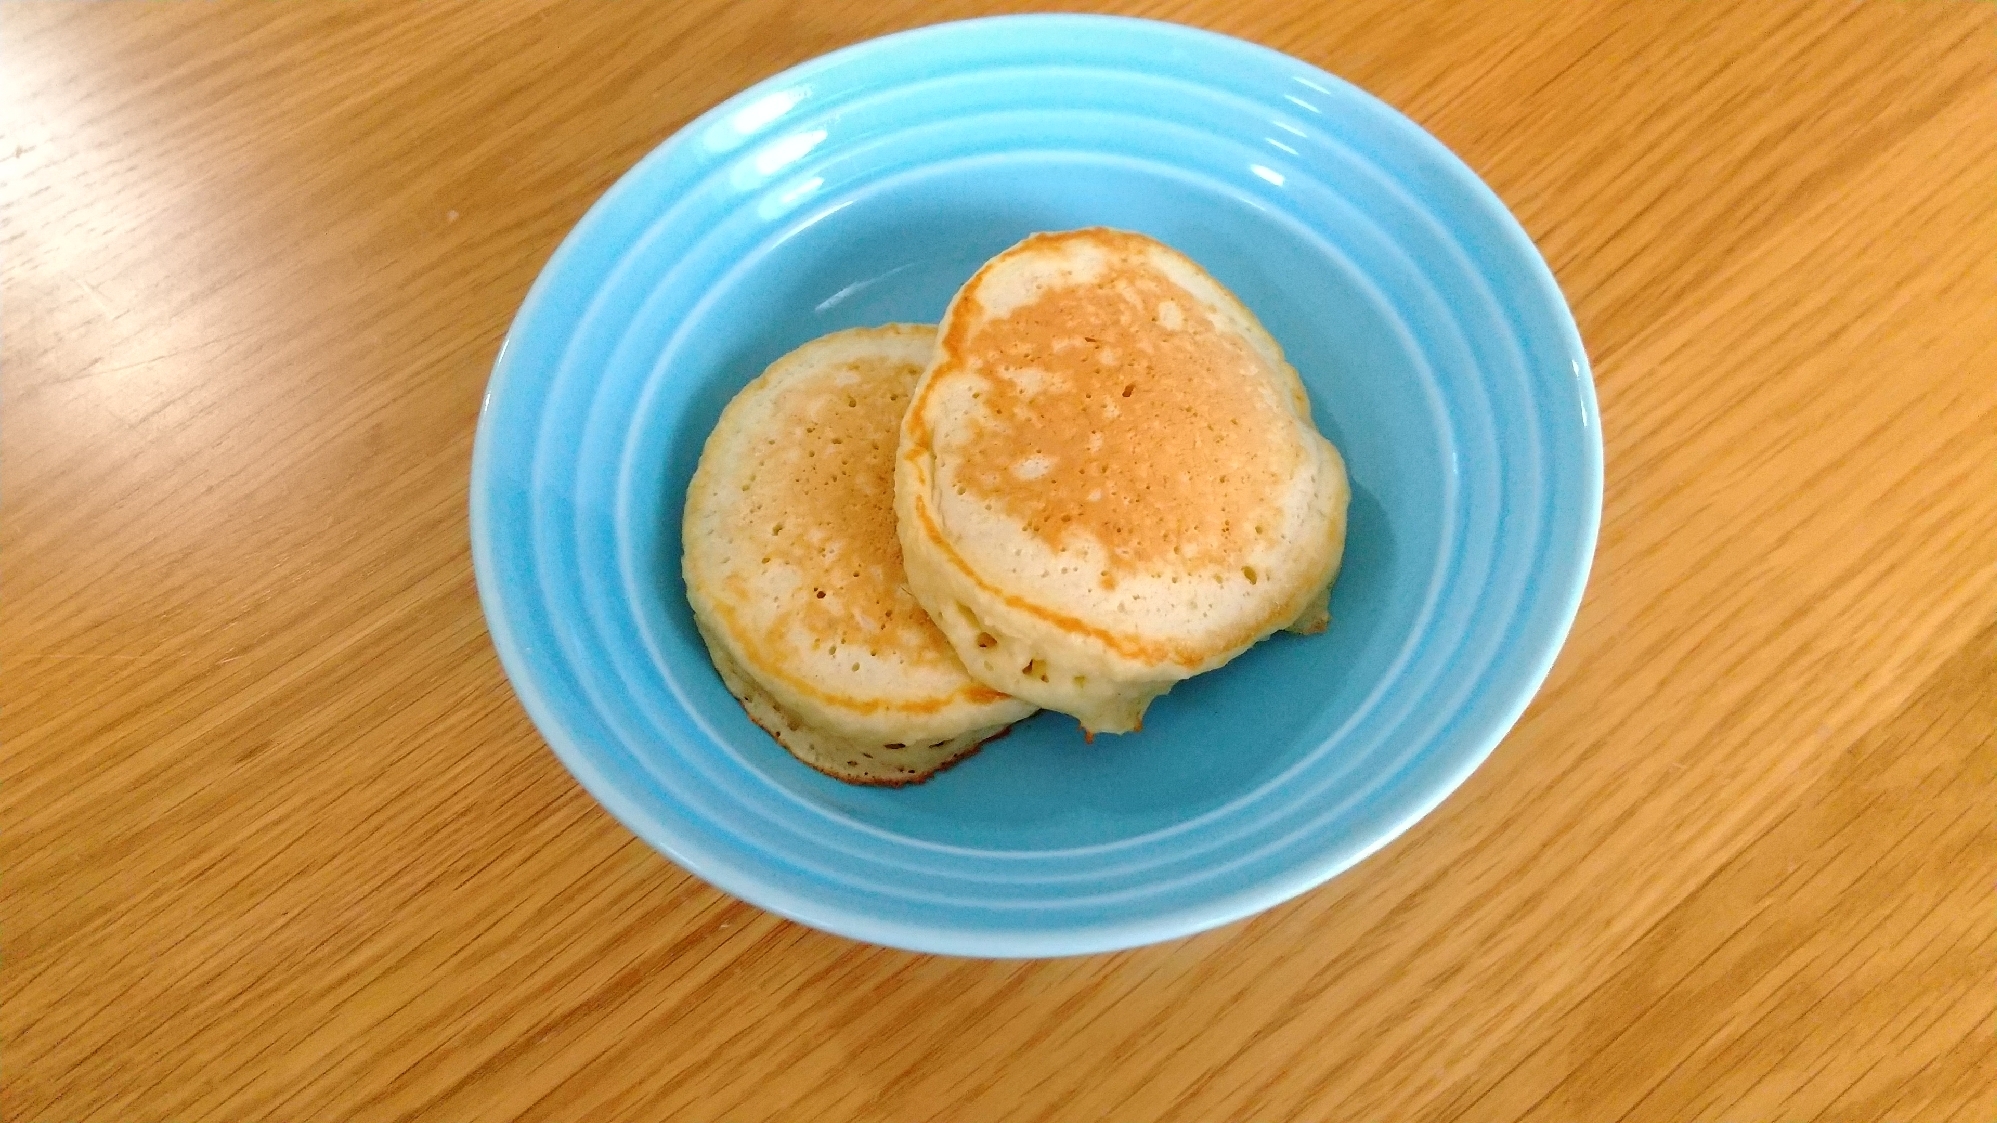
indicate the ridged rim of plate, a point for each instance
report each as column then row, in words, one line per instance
column 589, row 663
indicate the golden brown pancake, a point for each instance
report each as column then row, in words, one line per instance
column 1109, row 480
column 794, row 571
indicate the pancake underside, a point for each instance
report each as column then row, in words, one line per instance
column 866, row 762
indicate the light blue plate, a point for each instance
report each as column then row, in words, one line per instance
column 864, row 187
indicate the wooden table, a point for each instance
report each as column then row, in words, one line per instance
column 279, row 844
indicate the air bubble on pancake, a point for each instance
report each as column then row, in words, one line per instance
column 1032, row 467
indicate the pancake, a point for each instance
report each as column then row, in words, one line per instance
column 1108, row 479
column 794, row 572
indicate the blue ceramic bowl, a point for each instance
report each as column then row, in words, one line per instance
column 864, row 187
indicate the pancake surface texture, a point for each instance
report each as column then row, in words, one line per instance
column 794, row 570
column 1108, row 479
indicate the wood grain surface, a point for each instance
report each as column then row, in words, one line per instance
column 277, row 842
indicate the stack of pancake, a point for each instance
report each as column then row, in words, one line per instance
column 1096, row 478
